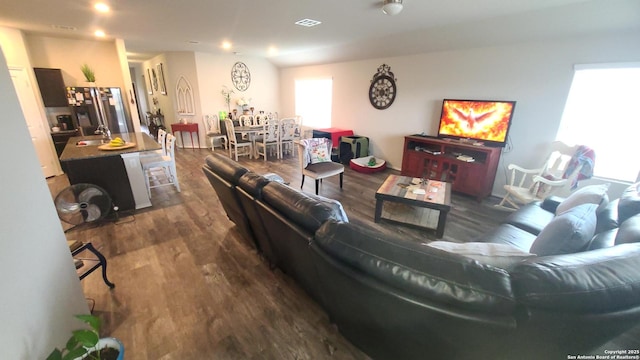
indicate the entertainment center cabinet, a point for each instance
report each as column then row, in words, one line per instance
column 444, row 160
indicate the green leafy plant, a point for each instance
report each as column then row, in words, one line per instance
column 81, row 341
column 89, row 75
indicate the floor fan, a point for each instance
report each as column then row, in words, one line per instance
column 82, row 203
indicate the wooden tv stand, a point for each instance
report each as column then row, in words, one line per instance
column 438, row 159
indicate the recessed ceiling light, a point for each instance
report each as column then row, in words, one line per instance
column 99, row 33
column 308, row 22
column 102, row 7
column 226, row 45
column 273, row 50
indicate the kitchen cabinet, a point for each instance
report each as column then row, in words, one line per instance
column 51, row 87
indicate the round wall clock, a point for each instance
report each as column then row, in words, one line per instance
column 382, row 91
column 240, row 76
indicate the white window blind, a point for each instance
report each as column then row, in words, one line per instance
column 602, row 112
column 313, row 102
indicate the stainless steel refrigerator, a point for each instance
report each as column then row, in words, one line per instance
column 93, row 106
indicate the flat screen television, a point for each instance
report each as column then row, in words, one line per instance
column 485, row 121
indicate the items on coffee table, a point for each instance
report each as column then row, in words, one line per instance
column 414, row 202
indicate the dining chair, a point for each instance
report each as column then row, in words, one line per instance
column 236, row 144
column 161, row 170
column 268, row 139
column 260, row 119
column 287, row 136
column 315, row 160
column 246, row 120
column 212, row 127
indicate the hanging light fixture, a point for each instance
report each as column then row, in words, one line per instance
column 392, row 7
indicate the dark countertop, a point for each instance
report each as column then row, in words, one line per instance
column 64, row 132
column 143, row 141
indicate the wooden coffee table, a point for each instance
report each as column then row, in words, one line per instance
column 417, row 209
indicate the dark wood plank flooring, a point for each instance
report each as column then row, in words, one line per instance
column 188, row 286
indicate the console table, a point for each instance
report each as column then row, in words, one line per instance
column 471, row 169
column 191, row 128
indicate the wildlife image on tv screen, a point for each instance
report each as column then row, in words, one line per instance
column 481, row 120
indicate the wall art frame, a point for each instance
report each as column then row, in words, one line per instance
column 149, row 83
column 161, row 83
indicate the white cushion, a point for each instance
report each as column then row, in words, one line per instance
column 498, row 255
column 592, row 194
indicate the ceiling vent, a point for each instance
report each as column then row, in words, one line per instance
column 308, row 22
column 64, row 27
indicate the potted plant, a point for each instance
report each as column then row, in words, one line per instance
column 88, row 73
column 226, row 94
column 87, row 344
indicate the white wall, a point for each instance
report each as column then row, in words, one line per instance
column 40, row 288
column 536, row 75
column 214, row 72
column 69, row 55
column 207, row 74
column 13, row 46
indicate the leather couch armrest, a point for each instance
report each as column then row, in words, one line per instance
column 306, row 210
column 226, row 168
column 598, row 281
column 423, row 271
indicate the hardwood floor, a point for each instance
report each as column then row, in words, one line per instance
column 188, row 286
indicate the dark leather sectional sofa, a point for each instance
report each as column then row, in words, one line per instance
column 396, row 299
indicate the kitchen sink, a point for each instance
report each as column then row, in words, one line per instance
column 91, row 142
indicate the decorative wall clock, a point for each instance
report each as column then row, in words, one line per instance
column 240, row 76
column 382, row 91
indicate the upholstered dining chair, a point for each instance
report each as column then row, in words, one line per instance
column 212, row 127
column 287, row 135
column 269, row 138
column 246, row 120
column 237, row 146
column 315, row 161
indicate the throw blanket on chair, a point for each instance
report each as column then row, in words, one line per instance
column 584, row 158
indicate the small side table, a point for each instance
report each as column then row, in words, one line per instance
column 89, row 265
column 191, row 128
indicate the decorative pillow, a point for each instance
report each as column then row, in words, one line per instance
column 498, row 255
column 629, row 204
column 568, row 232
column 592, row 194
column 318, row 153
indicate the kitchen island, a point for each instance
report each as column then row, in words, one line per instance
column 86, row 159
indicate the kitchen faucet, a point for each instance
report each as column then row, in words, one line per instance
column 104, row 130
